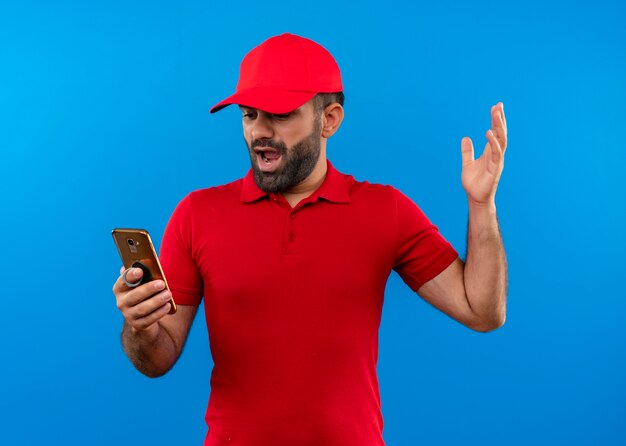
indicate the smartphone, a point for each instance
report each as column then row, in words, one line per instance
column 136, row 250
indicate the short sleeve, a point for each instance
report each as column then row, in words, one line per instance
column 422, row 252
column 176, row 256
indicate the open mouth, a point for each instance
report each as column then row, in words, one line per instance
column 268, row 159
column 269, row 155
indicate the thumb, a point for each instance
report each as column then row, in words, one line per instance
column 467, row 151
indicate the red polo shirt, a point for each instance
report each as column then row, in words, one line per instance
column 293, row 301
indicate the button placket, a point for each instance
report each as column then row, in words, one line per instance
column 290, row 233
column 292, row 229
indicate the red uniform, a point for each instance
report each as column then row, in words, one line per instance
column 293, row 301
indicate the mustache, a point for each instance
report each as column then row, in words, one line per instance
column 280, row 147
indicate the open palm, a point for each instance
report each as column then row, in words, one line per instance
column 480, row 176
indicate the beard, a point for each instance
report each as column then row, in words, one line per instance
column 297, row 162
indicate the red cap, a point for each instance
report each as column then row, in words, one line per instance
column 283, row 73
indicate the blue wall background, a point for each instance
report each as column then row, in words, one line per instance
column 102, row 101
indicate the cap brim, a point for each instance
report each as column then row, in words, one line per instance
column 270, row 100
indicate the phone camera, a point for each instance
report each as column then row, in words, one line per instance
column 130, row 242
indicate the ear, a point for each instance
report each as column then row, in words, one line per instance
column 331, row 119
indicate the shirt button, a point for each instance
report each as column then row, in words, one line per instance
column 293, row 215
column 292, row 237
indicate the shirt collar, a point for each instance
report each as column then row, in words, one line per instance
column 334, row 188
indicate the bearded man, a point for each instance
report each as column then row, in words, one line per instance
column 292, row 262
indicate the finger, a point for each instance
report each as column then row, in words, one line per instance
column 500, row 106
column 467, row 151
column 146, row 321
column 506, row 131
column 147, row 306
column 495, row 150
column 133, row 275
column 142, row 293
column 497, row 124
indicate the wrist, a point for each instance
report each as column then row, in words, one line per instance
column 483, row 221
column 487, row 207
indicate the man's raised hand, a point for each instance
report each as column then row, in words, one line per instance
column 480, row 176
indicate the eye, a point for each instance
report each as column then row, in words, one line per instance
column 281, row 117
column 248, row 114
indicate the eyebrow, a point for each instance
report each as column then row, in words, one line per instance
column 296, row 111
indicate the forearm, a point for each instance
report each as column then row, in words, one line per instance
column 152, row 352
column 485, row 273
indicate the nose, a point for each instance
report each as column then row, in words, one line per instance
column 261, row 127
